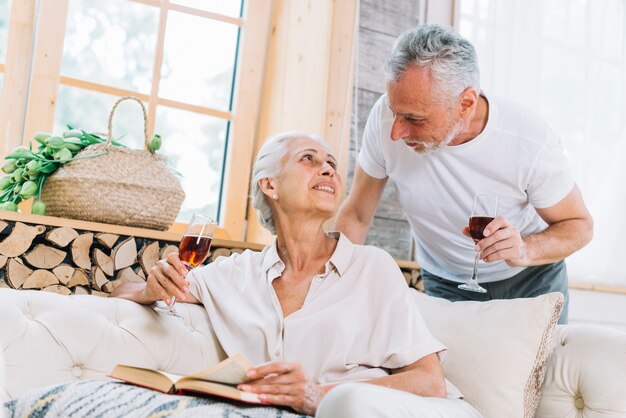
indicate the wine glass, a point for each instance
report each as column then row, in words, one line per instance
column 485, row 209
column 192, row 250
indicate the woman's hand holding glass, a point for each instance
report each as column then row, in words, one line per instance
column 193, row 249
column 167, row 280
column 283, row 383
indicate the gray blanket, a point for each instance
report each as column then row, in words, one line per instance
column 114, row 399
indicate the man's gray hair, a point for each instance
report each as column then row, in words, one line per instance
column 450, row 57
column 268, row 164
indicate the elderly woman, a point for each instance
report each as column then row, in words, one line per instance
column 313, row 310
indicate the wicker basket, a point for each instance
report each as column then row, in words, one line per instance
column 124, row 187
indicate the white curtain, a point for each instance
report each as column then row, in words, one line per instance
column 566, row 60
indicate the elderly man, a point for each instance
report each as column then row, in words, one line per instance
column 442, row 141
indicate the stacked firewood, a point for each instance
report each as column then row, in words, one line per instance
column 68, row 261
column 413, row 278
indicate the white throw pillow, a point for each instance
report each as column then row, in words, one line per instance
column 497, row 350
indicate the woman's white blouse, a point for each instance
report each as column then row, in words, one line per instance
column 357, row 321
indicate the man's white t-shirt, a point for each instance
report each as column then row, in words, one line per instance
column 517, row 157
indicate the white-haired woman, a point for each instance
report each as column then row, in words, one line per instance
column 313, row 310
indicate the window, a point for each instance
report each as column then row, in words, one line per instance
column 566, row 60
column 179, row 57
column 167, row 56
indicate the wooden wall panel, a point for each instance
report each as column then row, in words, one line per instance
column 18, row 61
column 308, row 78
column 381, row 21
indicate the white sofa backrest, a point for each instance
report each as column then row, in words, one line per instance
column 49, row 338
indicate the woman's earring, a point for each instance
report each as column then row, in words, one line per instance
column 275, row 197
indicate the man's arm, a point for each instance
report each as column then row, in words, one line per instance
column 570, row 228
column 355, row 215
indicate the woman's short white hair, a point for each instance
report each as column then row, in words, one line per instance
column 451, row 58
column 268, row 165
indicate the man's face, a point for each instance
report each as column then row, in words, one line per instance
column 420, row 120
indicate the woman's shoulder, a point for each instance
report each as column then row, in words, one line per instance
column 240, row 258
column 370, row 254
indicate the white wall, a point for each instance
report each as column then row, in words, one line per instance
column 598, row 308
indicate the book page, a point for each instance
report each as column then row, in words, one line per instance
column 231, row 371
column 218, row 389
column 145, row 377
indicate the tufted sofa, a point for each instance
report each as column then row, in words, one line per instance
column 48, row 339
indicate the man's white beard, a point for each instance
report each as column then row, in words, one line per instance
column 433, row 146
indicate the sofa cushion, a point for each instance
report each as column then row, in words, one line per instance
column 497, row 349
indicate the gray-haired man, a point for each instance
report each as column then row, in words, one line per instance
column 461, row 143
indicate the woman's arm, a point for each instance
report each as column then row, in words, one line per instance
column 165, row 280
column 423, row 378
column 282, row 383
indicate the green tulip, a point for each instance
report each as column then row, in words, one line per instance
column 32, row 166
column 41, row 137
column 29, row 188
column 10, row 206
column 73, row 133
column 20, row 152
column 47, row 152
column 9, row 166
column 38, row 208
column 55, row 142
column 73, row 147
column 31, row 176
column 21, row 155
column 62, row 155
column 5, row 182
column 18, row 175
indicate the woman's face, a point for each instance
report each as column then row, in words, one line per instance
column 308, row 182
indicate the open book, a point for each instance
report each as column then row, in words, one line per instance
column 220, row 380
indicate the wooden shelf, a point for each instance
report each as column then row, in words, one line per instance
column 116, row 229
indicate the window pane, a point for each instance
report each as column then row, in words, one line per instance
column 224, row 7
column 5, row 11
column 111, row 42
column 195, row 146
column 198, row 63
column 89, row 110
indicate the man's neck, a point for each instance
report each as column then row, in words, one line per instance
column 477, row 124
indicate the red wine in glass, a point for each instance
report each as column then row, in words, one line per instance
column 193, row 250
column 477, row 225
column 484, row 211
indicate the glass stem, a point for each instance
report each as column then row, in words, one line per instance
column 475, row 272
column 171, row 305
